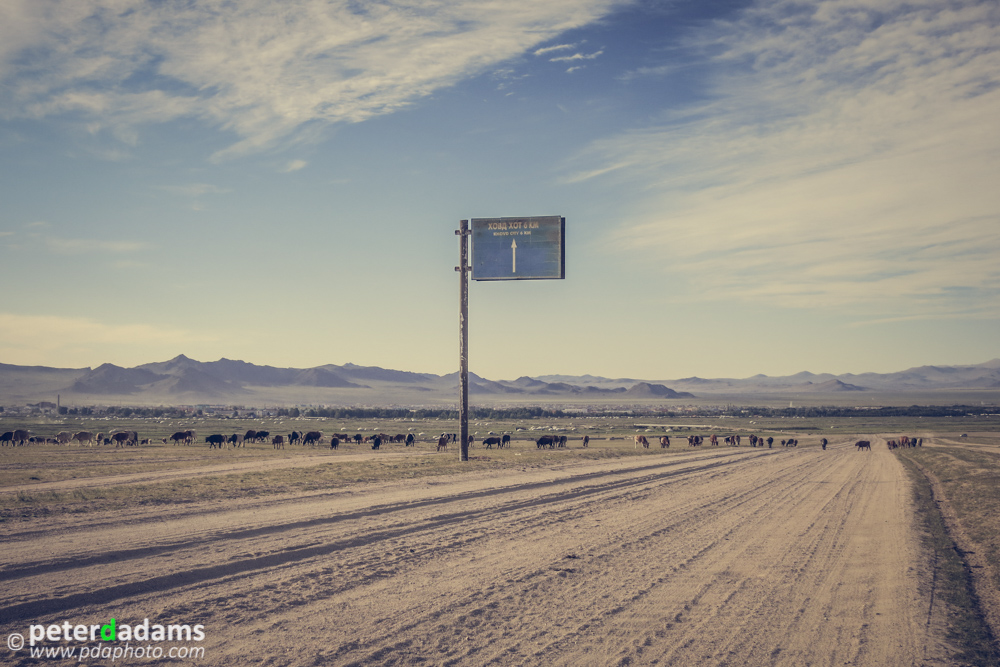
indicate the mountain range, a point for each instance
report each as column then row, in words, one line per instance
column 182, row 380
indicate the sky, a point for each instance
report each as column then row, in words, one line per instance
column 748, row 187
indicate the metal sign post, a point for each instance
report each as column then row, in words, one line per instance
column 503, row 249
column 463, row 329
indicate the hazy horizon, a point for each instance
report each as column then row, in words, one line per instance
column 472, row 371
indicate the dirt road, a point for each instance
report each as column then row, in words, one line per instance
column 717, row 557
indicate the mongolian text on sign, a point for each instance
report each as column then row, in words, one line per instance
column 519, row 248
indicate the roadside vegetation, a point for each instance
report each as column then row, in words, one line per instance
column 966, row 471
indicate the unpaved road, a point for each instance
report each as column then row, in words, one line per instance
column 715, row 557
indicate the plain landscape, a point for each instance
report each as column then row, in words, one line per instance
column 631, row 544
column 605, row 554
column 711, row 286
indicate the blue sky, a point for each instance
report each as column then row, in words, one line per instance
column 749, row 187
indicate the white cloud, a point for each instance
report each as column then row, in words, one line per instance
column 848, row 159
column 575, row 57
column 550, row 49
column 294, row 165
column 260, row 69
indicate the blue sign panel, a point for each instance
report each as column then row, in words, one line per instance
column 519, row 248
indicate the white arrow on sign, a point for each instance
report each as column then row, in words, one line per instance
column 513, row 255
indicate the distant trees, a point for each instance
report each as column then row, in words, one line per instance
column 434, row 413
column 541, row 413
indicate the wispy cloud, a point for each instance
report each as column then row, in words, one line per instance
column 294, row 165
column 549, row 49
column 87, row 246
column 507, row 78
column 195, row 189
column 576, row 57
column 847, row 159
column 261, row 70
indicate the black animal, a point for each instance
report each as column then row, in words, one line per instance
column 545, row 441
column 376, row 442
column 312, row 437
column 187, row 437
column 125, row 438
column 489, row 442
column 334, row 442
column 410, row 440
column 215, row 440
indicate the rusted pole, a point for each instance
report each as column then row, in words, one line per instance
column 463, row 326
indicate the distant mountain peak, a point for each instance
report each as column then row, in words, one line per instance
column 649, row 389
column 235, row 379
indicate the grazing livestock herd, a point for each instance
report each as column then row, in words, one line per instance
column 122, row 438
column 731, row 440
column 905, row 441
column 21, row 437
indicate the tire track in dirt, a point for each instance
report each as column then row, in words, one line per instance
column 548, row 650
column 783, row 557
column 580, row 487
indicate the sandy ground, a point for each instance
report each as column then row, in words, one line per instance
column 717, row 557
column 223, row 468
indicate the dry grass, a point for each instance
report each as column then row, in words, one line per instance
column 968, row 472
column 970, row 475
column 52, row 463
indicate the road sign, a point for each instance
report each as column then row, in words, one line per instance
column 519, row 248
